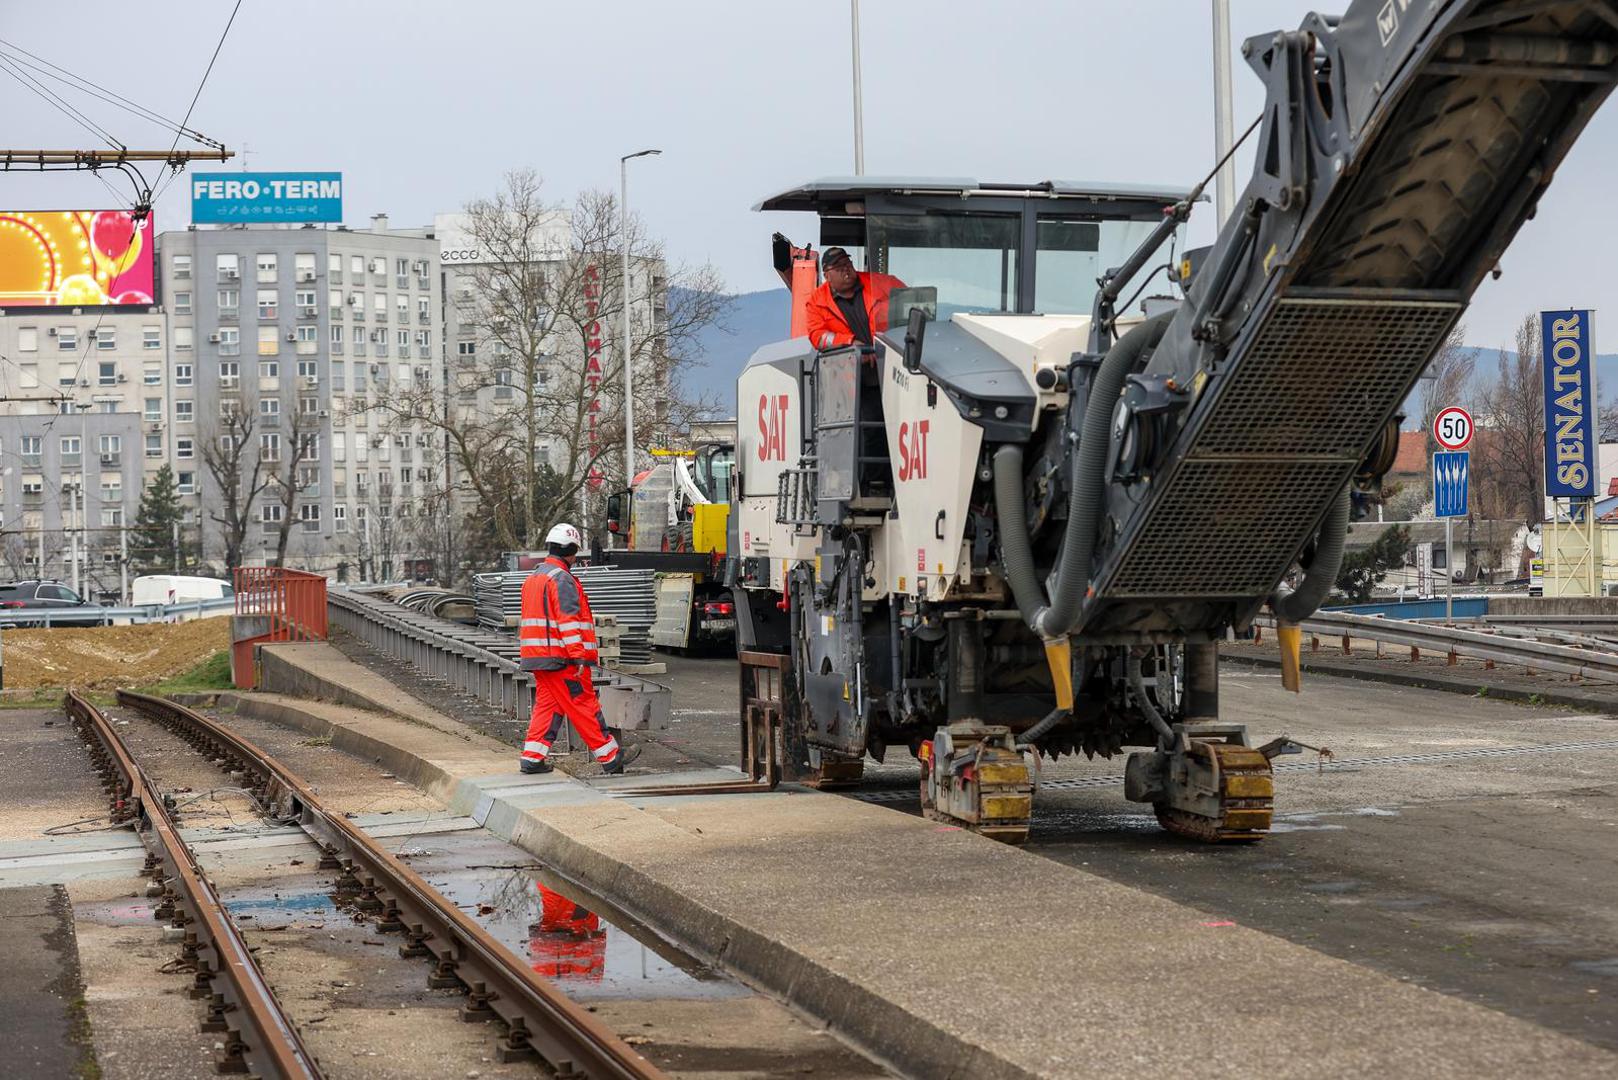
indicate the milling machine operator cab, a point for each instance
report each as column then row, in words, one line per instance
column 970, row 254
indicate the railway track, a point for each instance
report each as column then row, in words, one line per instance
column 535, row 1020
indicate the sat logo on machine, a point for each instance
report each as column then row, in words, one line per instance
column 772, row 426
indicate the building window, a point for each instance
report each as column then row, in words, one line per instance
column 183, row 337
column 182, row 374
column 28, row 339
column 181, row 267
column 230, row 341
column 305, row 299
column 339, row 519
column 356, row 305
column 338, row 372
column 379, row 301
column 402, row 303
column 152, row 374
column 379, row 267
column 184, row 412
column 154, row 446
column 269, row 447
column 269, row 411
column 106, row 337
column 269, row 340
column 310, row 443
column 230, row 374
column 309, row 514
column 182, row 303
column 339, row 446
column 110, row 444
column 334, row 266
column 112, row 488
column 308, row 343
column 268, row 303
column 153, row 411
column 356, row 267
column 270, row 514
column 230, row 301
column 309, row 370
column 266, row 269
column 466, row 348
column 185, row 482
column 107, row 373
column 269, row 369
column 185, row 447
column 303, row 266
column 67, row 339
column 424, row 309
column 229, row 267
column 111, row 518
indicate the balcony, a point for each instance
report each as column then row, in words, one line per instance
column 230, row 348
column 272, row 420
column 334, row 276
column 401, row 281
column 229, row 314
column 70, row 461
column 30, row 461
column 424, row 352
column 424, row 283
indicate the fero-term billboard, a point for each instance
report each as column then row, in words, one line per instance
column 1570, row 404
column 233, row 198
column 75, row 258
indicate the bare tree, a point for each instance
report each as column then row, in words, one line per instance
column 14, row 552
column 1508, row 460
column 238, row 472
column 284, row 482
column 1447, row 380
column 532, row 420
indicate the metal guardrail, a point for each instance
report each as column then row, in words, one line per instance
column 1489, row 645
column 98, row 615
column 481, row 662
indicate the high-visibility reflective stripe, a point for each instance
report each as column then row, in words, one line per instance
column 576, row 624
column 535, row 622
column 537, row 746
column 606, row 751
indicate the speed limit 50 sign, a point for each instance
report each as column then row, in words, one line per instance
column 1452, row 427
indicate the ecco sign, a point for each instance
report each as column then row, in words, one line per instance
column 227, row 198
column 1570, row 404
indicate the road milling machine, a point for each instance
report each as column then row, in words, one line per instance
column 1018, row 524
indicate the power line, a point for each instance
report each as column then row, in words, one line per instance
column 9, row 66
column 96, row 90
column 197, row 96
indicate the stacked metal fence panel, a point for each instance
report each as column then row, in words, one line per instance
column 629, row 596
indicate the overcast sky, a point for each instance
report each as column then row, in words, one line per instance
column 422, row 105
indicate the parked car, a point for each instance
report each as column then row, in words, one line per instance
column 31, row 603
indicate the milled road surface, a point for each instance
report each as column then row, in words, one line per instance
column 1486, row 876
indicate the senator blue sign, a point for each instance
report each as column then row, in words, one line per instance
column 229, row 198
column 1570, row 404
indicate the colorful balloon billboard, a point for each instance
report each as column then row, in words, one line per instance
column 75, row 258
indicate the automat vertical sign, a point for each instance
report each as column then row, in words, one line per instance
column 1570, row 404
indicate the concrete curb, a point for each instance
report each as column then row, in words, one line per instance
column 1420, row 680
column 506, row 805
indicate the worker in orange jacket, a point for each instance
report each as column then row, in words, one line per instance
column 569, row 941
column 557, row 639
column 850, row 305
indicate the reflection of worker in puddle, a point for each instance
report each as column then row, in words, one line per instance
column 568, row 941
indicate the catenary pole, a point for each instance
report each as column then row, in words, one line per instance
column 1224, row 118
column 859, row 96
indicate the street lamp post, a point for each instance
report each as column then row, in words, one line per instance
column 1224, row 122
column 623, row 242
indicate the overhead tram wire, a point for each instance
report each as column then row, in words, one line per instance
column 184, row 124
column 9, row 65
column 102, row 93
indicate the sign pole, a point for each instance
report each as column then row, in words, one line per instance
column 1449, row 571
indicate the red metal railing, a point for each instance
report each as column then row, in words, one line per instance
column 293, row 602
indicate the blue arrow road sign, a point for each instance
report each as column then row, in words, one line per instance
column 1450, row 472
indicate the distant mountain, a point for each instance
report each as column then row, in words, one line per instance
column 753, row 319
column 756, row 319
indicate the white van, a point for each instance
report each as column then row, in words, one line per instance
column 177, row 589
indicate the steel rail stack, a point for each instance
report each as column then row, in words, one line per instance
column 258, row 1037
column 537, row 1018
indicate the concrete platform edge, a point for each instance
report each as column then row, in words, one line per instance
column 880, row 1028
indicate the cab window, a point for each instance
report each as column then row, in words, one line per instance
column 971, row 259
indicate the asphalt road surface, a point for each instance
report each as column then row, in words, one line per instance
column 1466, row 845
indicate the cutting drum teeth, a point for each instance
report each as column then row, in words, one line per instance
column 1246, row 798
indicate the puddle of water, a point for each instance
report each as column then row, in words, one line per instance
column 563, row 936
column 1304, row 825
column 1376, row 811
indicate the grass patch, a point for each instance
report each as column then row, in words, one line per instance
column 37, row 699
column 210, row 675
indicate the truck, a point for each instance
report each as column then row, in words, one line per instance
column 672, row 519
column 1018, row 523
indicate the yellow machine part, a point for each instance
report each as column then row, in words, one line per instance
column 708, row 523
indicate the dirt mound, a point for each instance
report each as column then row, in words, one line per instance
column 105, row 657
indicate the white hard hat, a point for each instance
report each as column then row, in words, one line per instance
column 564, row 534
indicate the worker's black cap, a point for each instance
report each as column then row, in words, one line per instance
column 832, row 255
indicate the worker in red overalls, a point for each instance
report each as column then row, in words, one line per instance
column 568, row 942
column 558, row 644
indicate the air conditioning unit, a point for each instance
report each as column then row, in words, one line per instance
column 306, row 275
column 377, row 441
column 232, row 275
column 51, row 332
column 109, row 459
column 354, row 300
column 292, row 336
column 213, row 339
column 123, row 378
column 84, row 382
column 323, row 413
column 311, row 381
column 154, row 425
column 374, row 368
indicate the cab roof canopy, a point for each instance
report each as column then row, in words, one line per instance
column 834, row 194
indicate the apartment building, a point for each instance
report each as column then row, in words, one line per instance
column 306, row 333
column 82, row 427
